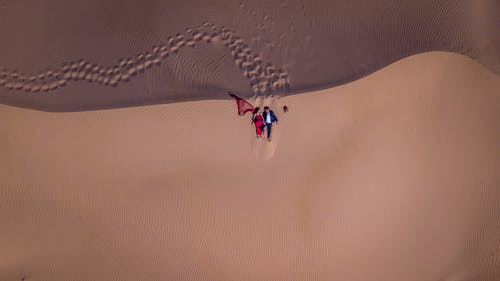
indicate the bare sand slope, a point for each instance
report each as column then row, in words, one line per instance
column 393, row 177
column 59, row 55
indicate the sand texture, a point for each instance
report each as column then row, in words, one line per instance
column 59, row 55
column 392, row 177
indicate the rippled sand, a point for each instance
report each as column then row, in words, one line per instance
column 59, row 55
column 392, row 177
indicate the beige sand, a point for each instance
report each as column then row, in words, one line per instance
column 392, row 177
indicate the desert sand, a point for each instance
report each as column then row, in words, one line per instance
column 59, row 55
column 391, row 177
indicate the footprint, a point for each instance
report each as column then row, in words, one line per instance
column 250, row 64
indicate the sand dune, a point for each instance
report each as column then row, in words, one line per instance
column 81, row 55
column 392, row 177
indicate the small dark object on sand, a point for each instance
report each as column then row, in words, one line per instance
column 285, row 108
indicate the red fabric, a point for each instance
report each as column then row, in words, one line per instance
column 258, row 121
column 243, row 105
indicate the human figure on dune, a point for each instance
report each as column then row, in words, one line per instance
column 258, row 121
column 269, row 119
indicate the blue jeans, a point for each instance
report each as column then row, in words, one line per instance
column 269, row 127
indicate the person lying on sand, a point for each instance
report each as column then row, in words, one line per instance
column 258, row 121
column 269, row 119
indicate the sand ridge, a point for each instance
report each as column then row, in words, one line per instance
column 316, row 45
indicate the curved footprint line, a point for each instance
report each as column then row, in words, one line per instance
column 263, row 78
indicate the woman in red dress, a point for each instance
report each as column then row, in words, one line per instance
column 258, row 121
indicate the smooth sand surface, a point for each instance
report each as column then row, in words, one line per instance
column 392, row 177
column 59, row 55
